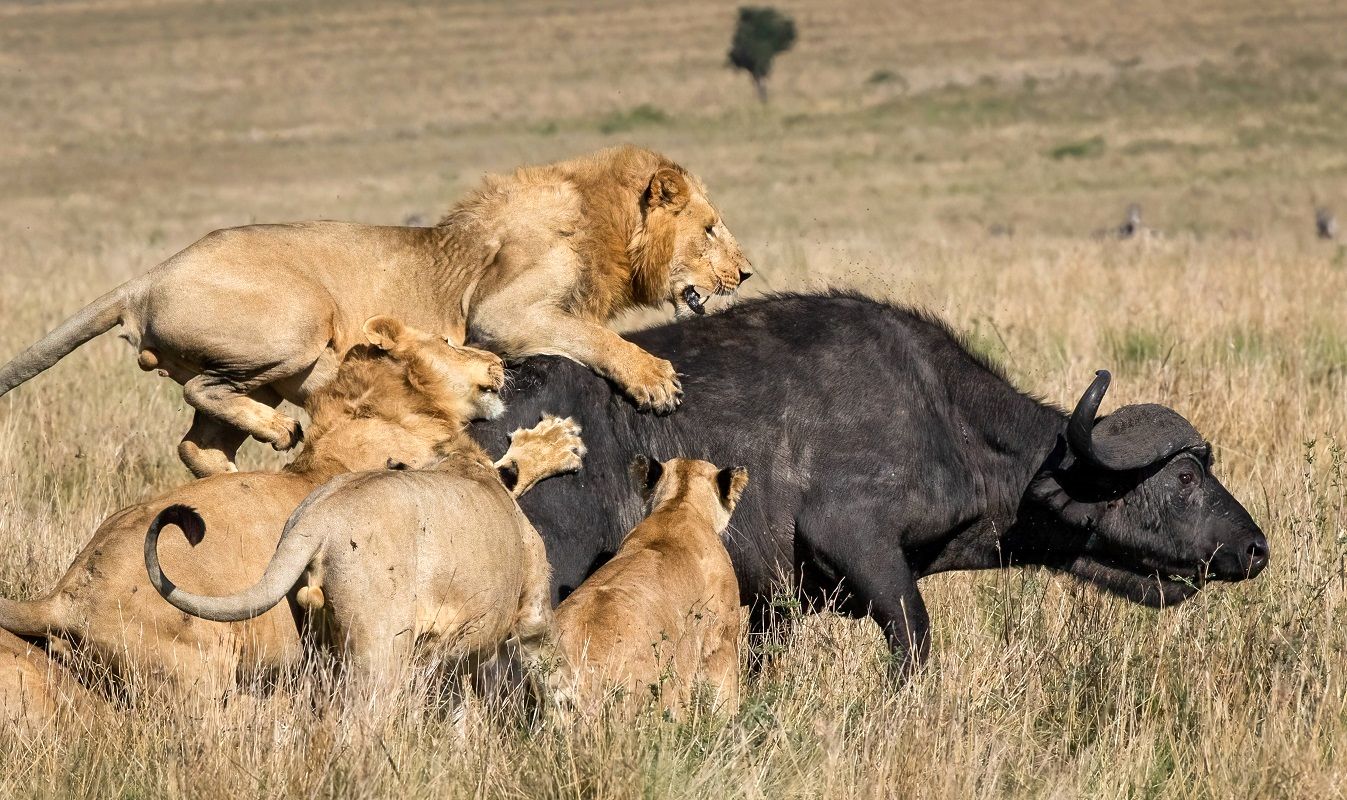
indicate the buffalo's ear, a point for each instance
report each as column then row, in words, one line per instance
column 384, row 331
column 646, row 471
column 1047, row 489
column 668, row 188
column 731, row 482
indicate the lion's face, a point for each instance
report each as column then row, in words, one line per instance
column 469, row 380
column 706, row 259
column 464, row 381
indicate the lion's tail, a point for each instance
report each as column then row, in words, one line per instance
column 292, row 556
column 33, row 617
column 97, row 317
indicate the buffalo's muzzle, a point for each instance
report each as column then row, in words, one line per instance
column 1242, row 559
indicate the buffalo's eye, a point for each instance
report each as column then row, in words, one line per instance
column 1187, row 477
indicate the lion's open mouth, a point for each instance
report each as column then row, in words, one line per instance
column 693, row 300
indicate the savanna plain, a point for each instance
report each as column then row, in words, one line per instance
column 958, row 156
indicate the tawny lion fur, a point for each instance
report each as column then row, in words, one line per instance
column 34, row 692
column 397, row 559
column 403, row 397
column 535, row 262
column 662, row 616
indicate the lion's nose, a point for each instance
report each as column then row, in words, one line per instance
column 745, row 273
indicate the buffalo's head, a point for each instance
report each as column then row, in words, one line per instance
column 1154, row 523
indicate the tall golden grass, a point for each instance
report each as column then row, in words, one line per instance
column 135, row 127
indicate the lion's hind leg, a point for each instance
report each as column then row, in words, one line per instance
column 211, row 445
column 237, row 404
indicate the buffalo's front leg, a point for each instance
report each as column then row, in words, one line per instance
column 887, row 588
column 770, row 629
column 875, row 579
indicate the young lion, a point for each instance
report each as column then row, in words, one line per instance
column 396, row 558
column 401, row 397
column 530, row 263
column 663, row 614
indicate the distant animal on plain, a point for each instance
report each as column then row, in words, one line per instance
column 1325, row 224
column 661, row 618
column 1131, row 227
column 885, row 451
column 534, row 262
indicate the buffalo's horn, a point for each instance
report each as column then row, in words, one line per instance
column 1133, row 437
column 1080, row 430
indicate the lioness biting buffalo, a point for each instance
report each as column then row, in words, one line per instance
column 882, row 451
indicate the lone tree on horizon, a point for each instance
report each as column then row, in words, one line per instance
column 761, row 35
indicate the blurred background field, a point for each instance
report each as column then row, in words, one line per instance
column 961, row 156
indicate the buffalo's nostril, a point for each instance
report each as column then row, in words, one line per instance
column 1257, row 551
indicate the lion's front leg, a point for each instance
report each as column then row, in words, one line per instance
column 648, row 380
column 552, row 447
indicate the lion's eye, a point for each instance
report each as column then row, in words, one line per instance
column 711, row 230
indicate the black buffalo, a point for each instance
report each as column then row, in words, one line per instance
column 880, row 450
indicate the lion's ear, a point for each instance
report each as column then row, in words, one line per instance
column 731, row 482
column 646, row 472
column 668, row 188
column 384, row 331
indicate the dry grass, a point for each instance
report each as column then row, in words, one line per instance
column 897, row 139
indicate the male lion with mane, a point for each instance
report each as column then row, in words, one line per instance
column 403, row 397
column 532, row 263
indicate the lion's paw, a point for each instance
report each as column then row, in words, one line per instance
column 287, row 433
column 655, row 387
column 551, row 447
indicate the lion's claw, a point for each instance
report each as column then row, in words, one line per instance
column 660, row 390
column 290, row 433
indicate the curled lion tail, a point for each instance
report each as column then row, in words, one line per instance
column 193, row 527
column 291, row 558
